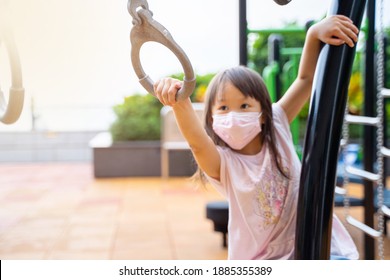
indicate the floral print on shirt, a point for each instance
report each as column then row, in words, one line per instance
column 271, row 196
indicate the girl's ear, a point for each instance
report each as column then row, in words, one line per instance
column 262, row 119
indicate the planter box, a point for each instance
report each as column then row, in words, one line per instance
column 136, row 158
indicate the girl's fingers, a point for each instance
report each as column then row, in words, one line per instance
column 348, row 35
column 351, row 30
column 157, row 89
column 174, row 88
column 166, row 90
column 354, row 29
column 344, row 37
column 171, row 94
column 343, row 31
column 345, row 18
column 336, row 41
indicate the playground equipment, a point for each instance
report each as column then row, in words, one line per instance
column 279, row 77
column 315, row 205
column 282, row 2
column 319, row 163
column 218, row 213
column 146, row 29
column 320, row 156
column 323, row 134
column 10, row 111
column 375, row 118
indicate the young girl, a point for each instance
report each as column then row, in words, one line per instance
column 246, row 152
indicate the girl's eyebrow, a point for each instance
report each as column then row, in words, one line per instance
column 220, row 97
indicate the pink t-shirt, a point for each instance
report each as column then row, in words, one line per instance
column 262, row 203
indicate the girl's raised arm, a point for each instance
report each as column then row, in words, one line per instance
column 335, row 30
column 202, row 147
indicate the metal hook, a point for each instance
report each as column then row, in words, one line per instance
column 282, row 2
column 133, row 5
column 146, row 29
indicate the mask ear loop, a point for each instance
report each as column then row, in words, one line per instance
column 262, row 122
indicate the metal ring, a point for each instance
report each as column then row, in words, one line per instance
column 10, row 113
column 151, row 31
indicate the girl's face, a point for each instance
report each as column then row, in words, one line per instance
column 232, row 99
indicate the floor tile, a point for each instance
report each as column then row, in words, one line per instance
column 47, row 214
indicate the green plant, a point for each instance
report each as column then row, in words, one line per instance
column 138, row 118
column 202, row 81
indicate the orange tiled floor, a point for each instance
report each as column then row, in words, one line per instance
column 59, row 211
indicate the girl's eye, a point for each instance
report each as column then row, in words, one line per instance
column 244, row 106
column 223, row 108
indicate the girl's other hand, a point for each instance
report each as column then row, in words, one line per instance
column 336, row 30
column 166, row 90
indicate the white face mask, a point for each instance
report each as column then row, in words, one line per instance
column 237, row 129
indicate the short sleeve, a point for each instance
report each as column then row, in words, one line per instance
column 282, row 126
column 279, row 113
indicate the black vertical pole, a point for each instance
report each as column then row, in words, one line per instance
column 319, row 162
column 385, row 122
column 385, row 102
column 369, row 141
column 243, row 38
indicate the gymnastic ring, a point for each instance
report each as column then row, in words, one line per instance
column 10, row 113
column 152, row 31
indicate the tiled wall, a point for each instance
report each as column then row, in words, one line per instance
column 44, row 146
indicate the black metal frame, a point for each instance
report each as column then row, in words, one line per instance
column 319, row 164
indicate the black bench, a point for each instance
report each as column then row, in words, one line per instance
column 218, row 212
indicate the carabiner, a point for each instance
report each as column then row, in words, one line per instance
column 146, row 29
